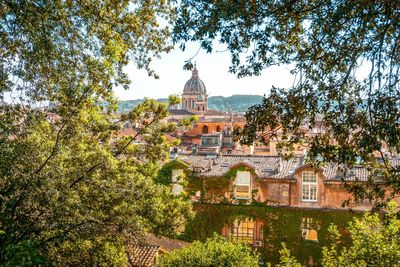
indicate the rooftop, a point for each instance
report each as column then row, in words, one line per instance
column 165, row 243
column 142, row 255
column 270, row 167
column 180, row 112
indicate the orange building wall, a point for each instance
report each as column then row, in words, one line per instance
column 330, row 195
column 212, row 127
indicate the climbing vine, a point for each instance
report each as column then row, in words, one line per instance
column 165, row 173
column 280, row 225
column 191, row 182
column 231, row 174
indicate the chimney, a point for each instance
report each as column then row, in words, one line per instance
column 252, row 149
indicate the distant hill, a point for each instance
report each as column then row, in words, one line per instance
column 236, row 103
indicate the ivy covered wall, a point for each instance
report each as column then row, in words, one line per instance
column 165, row 173
column 280, row 225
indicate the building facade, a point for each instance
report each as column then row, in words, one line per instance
column 284, row 193
column 275, row 181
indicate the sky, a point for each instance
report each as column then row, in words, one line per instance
column 213, row 71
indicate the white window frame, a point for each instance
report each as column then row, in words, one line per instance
column 243, row 184
column 308, row 185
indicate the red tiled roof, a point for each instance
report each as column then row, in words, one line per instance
column 142, row 255
column 180, row 112
column 126, row 132
column 212, row 112
column 270, row 167
column 278, row 168
column 165, row 243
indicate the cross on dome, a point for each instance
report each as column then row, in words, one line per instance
column 195, row 72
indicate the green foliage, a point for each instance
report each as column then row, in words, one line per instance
column 24, row 254
column 174, row 100
column 214, row 251
column 280, row 225
column 68, row 189
column 188, row 122
column 165, row 173
column 191, row 182
column 73, row 192
column 286, row 259
column 92, row 252
column 213, row 189
column 231, row 174
column 345, row 61
column 375, row 242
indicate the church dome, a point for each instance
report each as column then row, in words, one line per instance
column 195, row 86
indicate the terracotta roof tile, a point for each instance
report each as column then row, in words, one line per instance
column 142, row 255
column 212, row 112
column 269, row 167
column 264, row 166
column 180, row 112
column 126, row 132
column 165, row 243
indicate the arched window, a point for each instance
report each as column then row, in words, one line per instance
column 205, row 129
column 204, row 108
column 198, row 108
column 218, row 129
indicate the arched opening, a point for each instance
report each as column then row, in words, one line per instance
column 198, row 108
column 205, row 129
column 204, row 108
column 218, row 129
column 186, row 104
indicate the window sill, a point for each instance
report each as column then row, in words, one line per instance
column 242, row 198
column 312, row 201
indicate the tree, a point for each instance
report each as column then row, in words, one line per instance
column 286, row 259
column 72, row 191
column 213, row 252
column 375, row 242
column 345, row 59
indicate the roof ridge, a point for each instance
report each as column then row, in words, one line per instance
column 247, row 155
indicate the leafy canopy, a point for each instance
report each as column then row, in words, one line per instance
column 345, row 59
column 375, row 242
column 214, row 251
column 73, row 190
